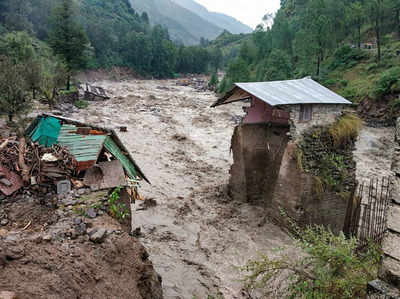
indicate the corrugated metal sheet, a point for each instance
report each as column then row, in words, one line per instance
column 290, row 92
column 82, row 147
column 113, row 148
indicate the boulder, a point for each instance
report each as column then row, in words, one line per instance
column 97, row 235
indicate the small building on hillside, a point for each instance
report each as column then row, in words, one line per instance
column 101, row 161
column 264, row 146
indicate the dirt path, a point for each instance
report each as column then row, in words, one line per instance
column 373, row 154
column 196, row 236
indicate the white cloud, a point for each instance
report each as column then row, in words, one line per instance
column 249, row 12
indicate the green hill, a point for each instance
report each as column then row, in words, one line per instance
column 183, row 25
column 221, row 20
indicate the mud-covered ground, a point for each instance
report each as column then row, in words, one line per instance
column 373, row 154
column 196, row 236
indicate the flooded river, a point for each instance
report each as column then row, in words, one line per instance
column 196, row 236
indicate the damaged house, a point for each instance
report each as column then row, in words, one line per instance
column 266, row 145
column 100, row 160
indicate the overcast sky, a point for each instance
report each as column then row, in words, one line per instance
column 249, row 12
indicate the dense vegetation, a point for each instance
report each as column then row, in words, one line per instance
column 330, row 268
column 326, row 39
column 116, row 34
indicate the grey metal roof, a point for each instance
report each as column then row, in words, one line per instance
column 290, row 92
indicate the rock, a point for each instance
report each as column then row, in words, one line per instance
column 97, row 235
column 81, row 229
column 390, row 271
column 4, row 222
column 380, row 287
column 47, row 238
column 81, row 191
column 68, row 201
column 91, row 213
column 8, row 295
column 77, row 220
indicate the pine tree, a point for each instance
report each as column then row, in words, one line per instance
column 68, row 39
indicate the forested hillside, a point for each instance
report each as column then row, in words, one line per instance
column 184, row 26
column 116, row 34
column 351, row 46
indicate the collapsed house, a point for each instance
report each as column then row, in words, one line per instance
column 265, row 147
column 99, row 158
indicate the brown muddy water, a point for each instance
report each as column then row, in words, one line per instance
column 196, row 236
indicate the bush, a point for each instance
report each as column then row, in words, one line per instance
column 82, row 104
column 371, row 67
column 388, row 82
column 346, row 57
column 329, row 268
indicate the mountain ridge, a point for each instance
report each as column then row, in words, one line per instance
column 222, row 20
column 186, row 25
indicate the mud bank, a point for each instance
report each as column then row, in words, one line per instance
column 196, row 236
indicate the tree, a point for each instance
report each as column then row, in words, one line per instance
column 145, row 18
column 316, row 36
column 376, row 13
column 277, row 66
column 67, row 38
column 13, row 88
column 17, row 46
column 33, row 75
column 53, row 77
column 357, row 16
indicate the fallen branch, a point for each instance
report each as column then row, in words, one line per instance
column 4, row 144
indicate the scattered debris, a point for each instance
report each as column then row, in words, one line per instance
column 95, row 93
column 198, row 83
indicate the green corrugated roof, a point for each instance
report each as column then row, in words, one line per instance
column 113, row 148
column 82, row 147
column 46, row 131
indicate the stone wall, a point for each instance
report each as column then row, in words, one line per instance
column 322, row 115
column 389, row 270
column 296, row 194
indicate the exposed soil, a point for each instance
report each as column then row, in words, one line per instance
column 373, row 154
column 196, row 235
column 45, row 252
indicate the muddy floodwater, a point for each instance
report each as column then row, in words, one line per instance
column 196, row 236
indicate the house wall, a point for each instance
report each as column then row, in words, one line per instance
column 261, row 112
column 322, row 115
column 265, row 168
column 257, row 153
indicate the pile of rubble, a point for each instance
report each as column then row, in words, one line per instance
column 36, row 167
column 200, row 84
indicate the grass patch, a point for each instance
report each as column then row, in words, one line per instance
column 82, row 104
column 72, row 89
column 345, row 130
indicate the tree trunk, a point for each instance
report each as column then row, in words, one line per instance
column 68, row 82
column 10, row 117
column 21, row 160
column 318, row 64
column 378, row 38
column 398, row 22
column 34, row 93
column 359, row 36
